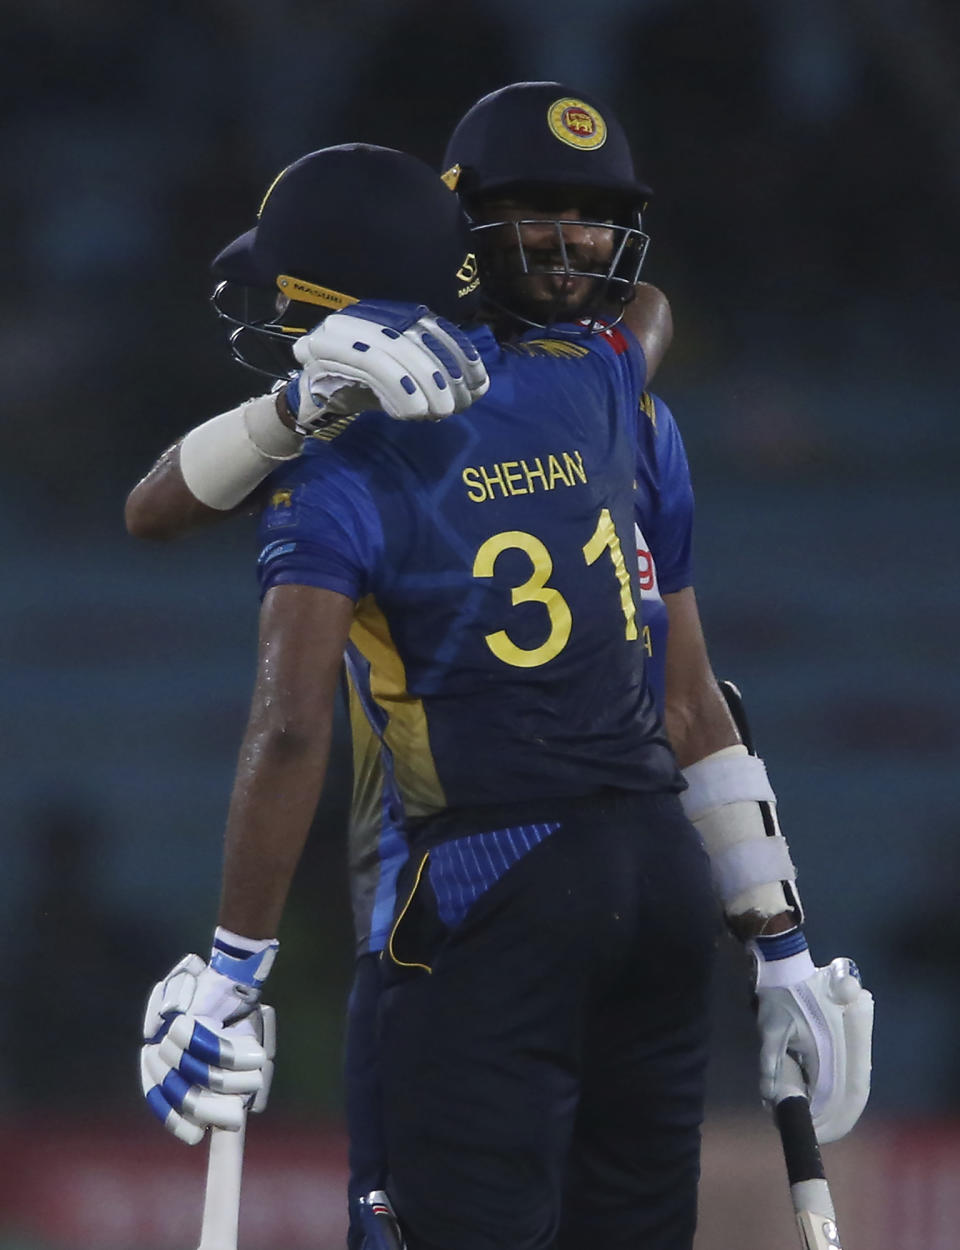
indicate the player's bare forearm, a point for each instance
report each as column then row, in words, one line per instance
column 274, row 798
column 303, row 631
column 698, row 721
column 649, row 317
column 161, row 506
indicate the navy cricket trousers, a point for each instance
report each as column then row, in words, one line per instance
column 364, row 1112
column 543, row 1081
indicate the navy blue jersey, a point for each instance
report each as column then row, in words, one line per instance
column 497, row 650
column 663, row 509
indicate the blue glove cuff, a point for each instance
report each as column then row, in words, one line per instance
column 781, row 945
column 292, row 394
column 393, row 315
column 248, row 967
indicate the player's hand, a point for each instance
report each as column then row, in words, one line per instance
column 209, row 1050
column 816, row 1026
column 400, row 358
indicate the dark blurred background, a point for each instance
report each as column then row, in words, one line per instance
column 806, row 159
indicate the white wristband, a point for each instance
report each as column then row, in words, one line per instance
column 225, row 458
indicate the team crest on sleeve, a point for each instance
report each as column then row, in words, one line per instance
column 281, row 508
column 577, row 124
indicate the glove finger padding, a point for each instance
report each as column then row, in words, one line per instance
column 837, row 1117
column 466, row 372
column 268, row 1022
column 183, row 1109
column 234, row 1048
column 220, row 1079
column 475, row 371
column 179, row 1125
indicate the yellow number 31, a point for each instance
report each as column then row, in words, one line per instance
column 536, row 590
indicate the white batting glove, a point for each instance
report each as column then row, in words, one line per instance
column 400, row 358
column 816, row 1027
column 209, row 1043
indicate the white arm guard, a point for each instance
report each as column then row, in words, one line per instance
column 750, row 868
column 225, row 458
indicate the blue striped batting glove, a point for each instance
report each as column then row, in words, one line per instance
column 209, row 1044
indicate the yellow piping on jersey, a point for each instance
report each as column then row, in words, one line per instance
column 366, row 808
column 648, row 407
column 406, row 733
column 403, row 963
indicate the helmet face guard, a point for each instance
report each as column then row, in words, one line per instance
column 262, row 338
column 511, row 267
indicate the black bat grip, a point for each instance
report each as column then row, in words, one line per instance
column 800, row 1148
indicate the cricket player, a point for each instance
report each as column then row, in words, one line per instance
column 553, row 289
column 494, row 636
column 377, row 848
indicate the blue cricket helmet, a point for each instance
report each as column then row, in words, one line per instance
column 340, row 225
column 541, row 133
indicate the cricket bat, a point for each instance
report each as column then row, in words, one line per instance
column 221, row 1199
column 809, row 1191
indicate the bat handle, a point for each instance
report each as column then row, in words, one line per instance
column 809, row 1191
column 221, row 1200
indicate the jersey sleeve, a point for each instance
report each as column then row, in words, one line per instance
column 319, row 528
column 622, row 348
column 671, row 526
